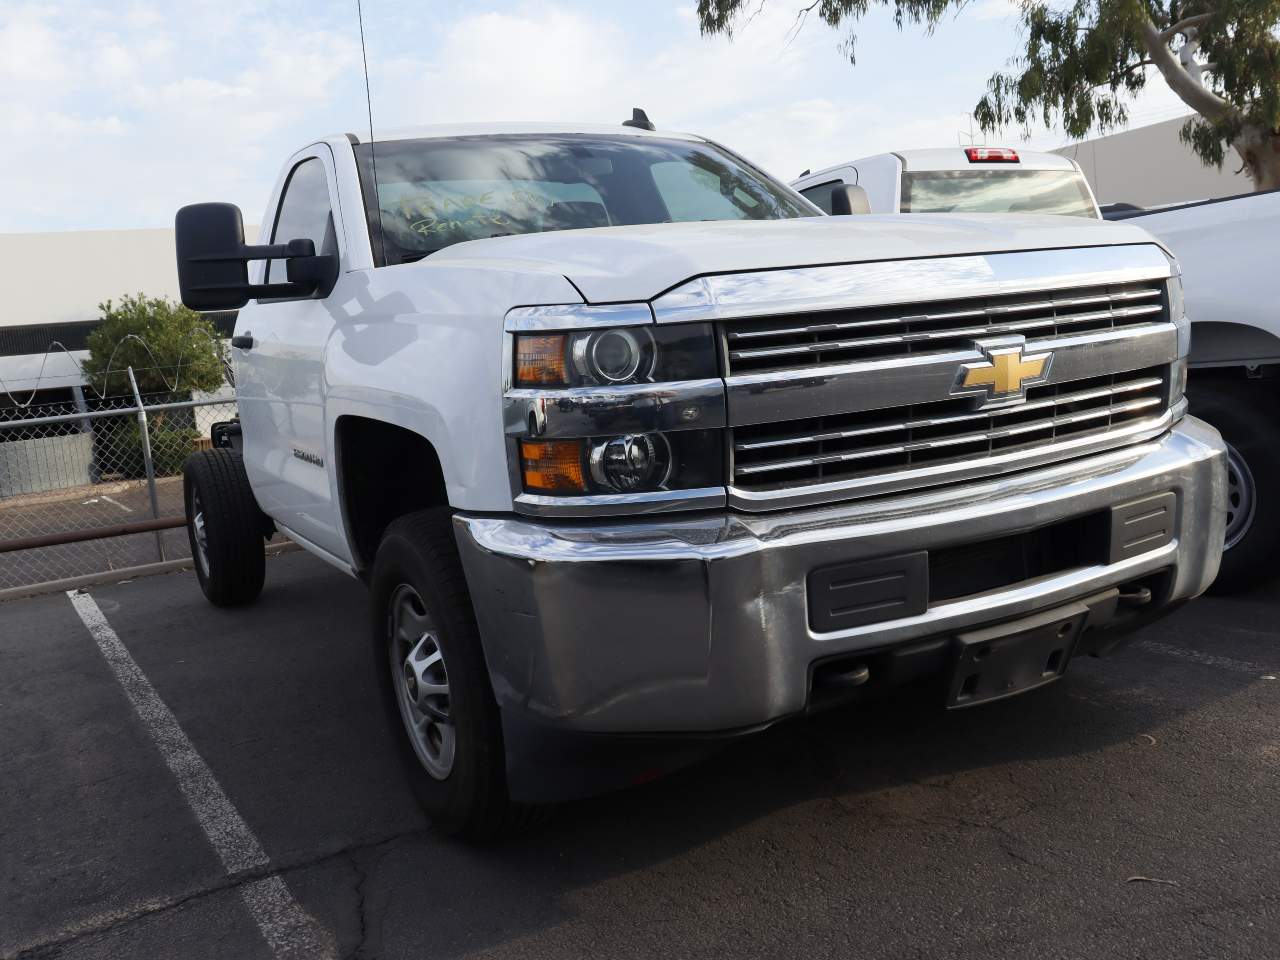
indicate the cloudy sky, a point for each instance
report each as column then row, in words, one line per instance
column 118, row 112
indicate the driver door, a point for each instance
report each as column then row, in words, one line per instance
column 280, row 378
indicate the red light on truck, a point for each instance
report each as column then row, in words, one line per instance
column 991, row 155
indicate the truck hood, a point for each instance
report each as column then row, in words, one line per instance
column 618, row 264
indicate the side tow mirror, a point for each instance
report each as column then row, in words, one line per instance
column 848, row 199
column 213, row 261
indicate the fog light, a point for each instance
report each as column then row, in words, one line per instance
column 639, row 461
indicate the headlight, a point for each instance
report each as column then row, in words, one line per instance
column 630, row 463
column 615, row 355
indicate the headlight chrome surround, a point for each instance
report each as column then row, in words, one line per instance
column 631, row 413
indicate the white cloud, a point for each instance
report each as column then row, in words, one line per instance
column 119, row 113
column 995, row 9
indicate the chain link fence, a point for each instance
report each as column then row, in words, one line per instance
column 94, row 484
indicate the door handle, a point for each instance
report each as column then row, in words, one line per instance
column 243, row 341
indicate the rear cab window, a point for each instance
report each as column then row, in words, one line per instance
column 1060, row 192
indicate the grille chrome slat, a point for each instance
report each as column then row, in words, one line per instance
column 791, row 344
column 1079, row 396
column 931, row 335
column 1035, row 426
column 1061, row 303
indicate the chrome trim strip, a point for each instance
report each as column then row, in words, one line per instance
column 578, row 316
column 954, row 472
column 621, row 504
column 626, row 408
column 768, row 397
column 884, row 283
column 923, row 422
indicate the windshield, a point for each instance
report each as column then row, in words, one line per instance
column 997, row 191
column 433, row 193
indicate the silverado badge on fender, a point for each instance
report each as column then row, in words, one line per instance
column 1004, row 374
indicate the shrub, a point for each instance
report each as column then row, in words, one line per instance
column 179, row 349
column 119, row 445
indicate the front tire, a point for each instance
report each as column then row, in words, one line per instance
column 1244, row 412
column 435, row 681
column 225, row 528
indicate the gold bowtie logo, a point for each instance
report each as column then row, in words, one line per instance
column 1005, row 374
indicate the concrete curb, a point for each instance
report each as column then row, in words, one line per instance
column 116, row 576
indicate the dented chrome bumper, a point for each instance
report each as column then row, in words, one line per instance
column 701, row 623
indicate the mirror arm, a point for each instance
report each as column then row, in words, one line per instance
column 319, row 273
column 263, row 291
column 273, row 251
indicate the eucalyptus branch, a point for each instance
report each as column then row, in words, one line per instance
column 1185, row 24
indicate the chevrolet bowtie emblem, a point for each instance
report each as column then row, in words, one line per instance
column 1005, row 373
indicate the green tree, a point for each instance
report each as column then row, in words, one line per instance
column 171, row 348
column 1081, row 63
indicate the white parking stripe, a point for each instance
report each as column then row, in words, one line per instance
column 286, row 927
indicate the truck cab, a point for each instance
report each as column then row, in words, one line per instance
column 959, row 180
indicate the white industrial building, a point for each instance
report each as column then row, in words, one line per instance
column 1149, row 166
column 58, row 280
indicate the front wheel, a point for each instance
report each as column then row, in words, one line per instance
column 1245, row 414
column 435, row 682
column 225, row 528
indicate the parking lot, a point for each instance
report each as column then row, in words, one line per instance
column 236, row 793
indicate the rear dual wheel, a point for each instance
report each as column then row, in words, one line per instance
column 225, row 527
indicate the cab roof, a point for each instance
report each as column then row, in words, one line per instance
column 442, row 130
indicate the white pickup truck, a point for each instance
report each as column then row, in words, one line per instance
column 1227, row 249
column 638, row 452
column 958, row 180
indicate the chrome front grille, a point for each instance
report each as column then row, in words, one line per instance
column 928, row 436
column 778, row 344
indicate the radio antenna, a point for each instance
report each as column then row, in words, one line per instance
column 373, row 151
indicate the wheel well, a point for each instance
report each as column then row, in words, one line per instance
column 384, row 472
column 1223, row 344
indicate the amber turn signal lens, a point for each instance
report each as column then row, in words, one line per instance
column 552, row 466
column 540, row 361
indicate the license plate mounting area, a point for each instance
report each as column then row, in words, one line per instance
column 1012, row 658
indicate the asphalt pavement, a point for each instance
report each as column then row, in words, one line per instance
column 1127, row 811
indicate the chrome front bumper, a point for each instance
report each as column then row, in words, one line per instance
column 700, row 624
